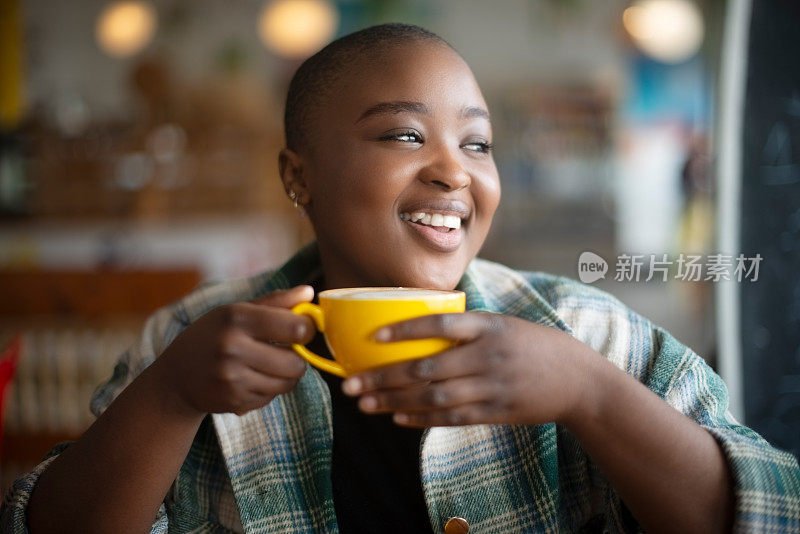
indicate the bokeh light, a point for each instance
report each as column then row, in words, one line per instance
column 125, row 28
column 297, row 28
column 670, row 31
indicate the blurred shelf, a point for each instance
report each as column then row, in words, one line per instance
column 74, row 324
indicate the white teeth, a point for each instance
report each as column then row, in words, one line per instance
column 433, row 219
column 452, row 221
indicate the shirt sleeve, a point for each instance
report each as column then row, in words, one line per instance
column 766, row 480
column 158, row 332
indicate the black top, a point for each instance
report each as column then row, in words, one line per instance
column 375, row 466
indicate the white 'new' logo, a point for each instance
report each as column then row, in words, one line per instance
column 591, row 267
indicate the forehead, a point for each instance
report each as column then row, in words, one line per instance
column 427, row 71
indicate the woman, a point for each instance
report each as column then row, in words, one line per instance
column 558, row 410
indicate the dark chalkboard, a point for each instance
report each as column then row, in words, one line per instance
column 770, row 224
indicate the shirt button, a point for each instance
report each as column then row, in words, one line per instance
column 456, row 525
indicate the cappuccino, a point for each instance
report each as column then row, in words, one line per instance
column 387, row 293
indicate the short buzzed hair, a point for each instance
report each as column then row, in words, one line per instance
column 318, row 73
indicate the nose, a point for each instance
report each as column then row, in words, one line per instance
column 444, row 170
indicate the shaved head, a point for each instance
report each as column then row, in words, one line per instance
column 311, row 84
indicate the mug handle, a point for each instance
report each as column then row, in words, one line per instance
column 315, row 312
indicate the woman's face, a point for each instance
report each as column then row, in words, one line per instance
column 407, row 133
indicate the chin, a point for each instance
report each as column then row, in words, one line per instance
column 444, row 280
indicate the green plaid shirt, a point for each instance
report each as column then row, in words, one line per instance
column 269, row 470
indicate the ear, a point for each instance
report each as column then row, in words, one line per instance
column 292, row 170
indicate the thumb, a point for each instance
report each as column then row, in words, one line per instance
column 286, row 298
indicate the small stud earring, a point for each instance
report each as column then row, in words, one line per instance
column 293, row 196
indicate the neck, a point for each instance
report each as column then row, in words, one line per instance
column 336, row 274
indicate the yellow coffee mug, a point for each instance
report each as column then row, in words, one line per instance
column 350, row 317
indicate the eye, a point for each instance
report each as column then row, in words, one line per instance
column 403, row 136
column 482, row 147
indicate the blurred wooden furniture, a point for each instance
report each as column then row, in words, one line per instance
column 91, row 293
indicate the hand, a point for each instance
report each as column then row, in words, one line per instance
column 236, row 358
column 504, row 370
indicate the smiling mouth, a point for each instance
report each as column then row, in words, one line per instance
column 444, row 223
column 439, row 232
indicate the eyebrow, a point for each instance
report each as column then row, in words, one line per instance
column 473, row 112
column 393, row 108
column 404, row 106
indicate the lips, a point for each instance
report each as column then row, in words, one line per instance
column 438, row 238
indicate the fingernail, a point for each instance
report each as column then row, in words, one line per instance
column 352, row 386
column 368, row 403
column 383, row 334
column 401, row 418
column 300, row 330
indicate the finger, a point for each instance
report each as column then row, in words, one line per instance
column 463, row 360
column 468, row 414
column 455, row 326
column 266, row 385
column 260, row 391
column 268, row 323
column 286, row 298
column 271, row 360
column 432, row 397
column 241, row 386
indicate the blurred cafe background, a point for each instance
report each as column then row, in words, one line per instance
column 139, row 140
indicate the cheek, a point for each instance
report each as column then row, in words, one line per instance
column 486, row 191
column 489, row 188
column 371, row 180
